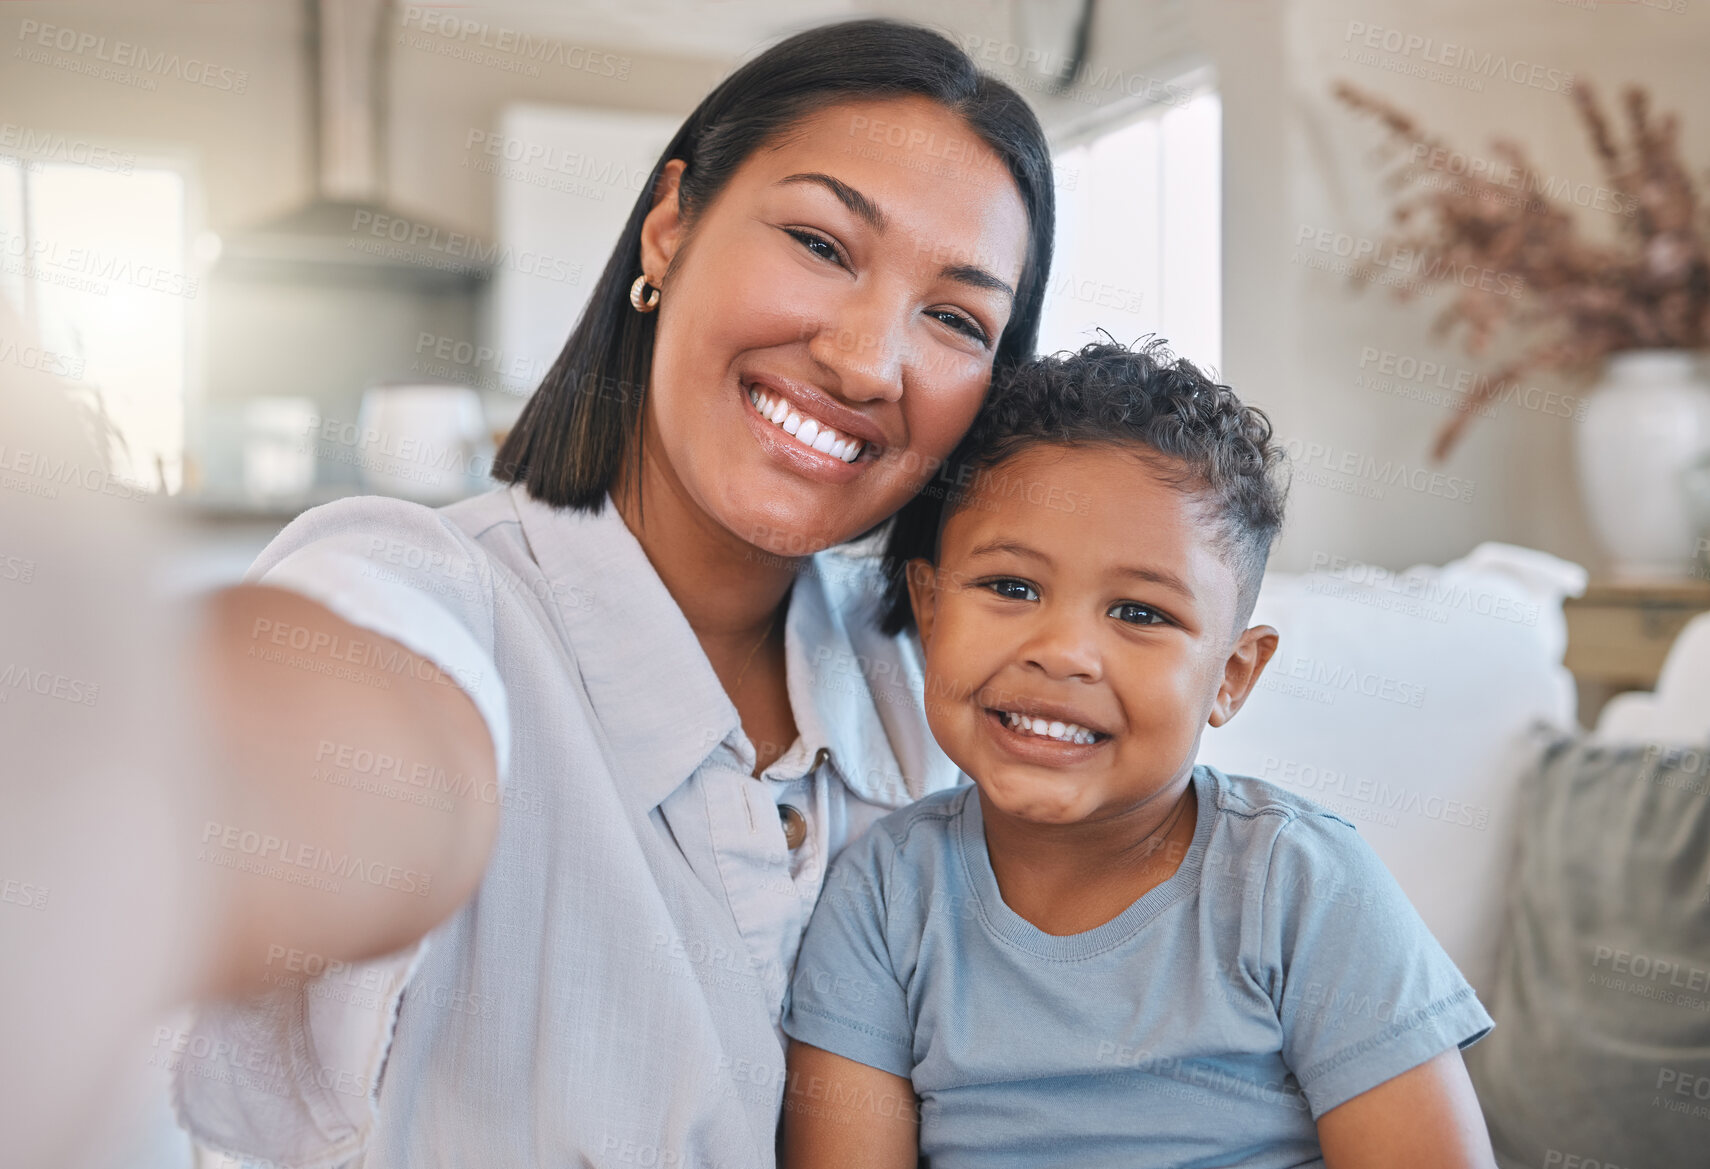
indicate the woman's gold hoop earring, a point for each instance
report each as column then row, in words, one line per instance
column 643, row 306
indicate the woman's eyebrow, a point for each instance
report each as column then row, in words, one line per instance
column 970, row 274
column 847, row 195
column 978, row 277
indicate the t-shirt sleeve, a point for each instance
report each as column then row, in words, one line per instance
column 845, row 996
column 290, row 1076
column 1366, row 992
column 405, row 572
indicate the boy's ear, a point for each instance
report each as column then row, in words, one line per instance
column 922, row 579
column 1241, row 672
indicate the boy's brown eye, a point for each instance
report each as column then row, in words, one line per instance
column 1011, row 589
column 1137, row 614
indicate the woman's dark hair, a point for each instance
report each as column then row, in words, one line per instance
column 1195, row 432
column 577, row 429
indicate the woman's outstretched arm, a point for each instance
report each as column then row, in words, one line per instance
column 282, row 731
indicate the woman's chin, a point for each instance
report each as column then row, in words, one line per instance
column 778, row 521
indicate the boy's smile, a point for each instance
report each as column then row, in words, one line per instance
column 1076, row 647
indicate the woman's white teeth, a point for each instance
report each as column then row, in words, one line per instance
column 810, row 432
column 1061, row 731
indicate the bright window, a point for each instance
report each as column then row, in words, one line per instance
column 1139, row 239
column 95, row 263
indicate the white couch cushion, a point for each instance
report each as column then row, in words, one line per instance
column 1405, row 702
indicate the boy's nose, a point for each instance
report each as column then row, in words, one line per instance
column 1064, row 651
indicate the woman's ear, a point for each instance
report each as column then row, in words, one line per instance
column 662, row 230
column 922, row 594
column 1241, row 672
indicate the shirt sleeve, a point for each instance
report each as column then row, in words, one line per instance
column 290, row 1076
column 845, row 997
column 1365, row 991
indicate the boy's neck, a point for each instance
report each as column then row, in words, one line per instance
column 1067, row 879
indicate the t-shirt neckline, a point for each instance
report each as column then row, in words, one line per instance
column 1011, row 927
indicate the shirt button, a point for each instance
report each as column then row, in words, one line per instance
column 795, row 825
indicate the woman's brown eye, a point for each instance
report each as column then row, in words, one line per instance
column 808, row 239
column 962, row 324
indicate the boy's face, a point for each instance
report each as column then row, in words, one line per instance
column 1105, row 604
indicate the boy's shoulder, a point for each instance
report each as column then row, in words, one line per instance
column 1249, row 798
column 1281, row 837
column 930, row 821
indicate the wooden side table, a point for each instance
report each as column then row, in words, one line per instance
column 1619, row 634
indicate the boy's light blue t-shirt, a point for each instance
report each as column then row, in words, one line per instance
column 1280, row 972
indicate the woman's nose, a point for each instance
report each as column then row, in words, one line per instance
column 865, row 346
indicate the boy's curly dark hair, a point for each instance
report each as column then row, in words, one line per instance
column 1202, row 439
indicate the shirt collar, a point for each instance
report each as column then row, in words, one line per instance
column 658, row 698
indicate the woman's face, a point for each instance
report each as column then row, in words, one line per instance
column 855, row 276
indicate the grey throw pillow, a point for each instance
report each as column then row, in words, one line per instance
column 1601, row 1052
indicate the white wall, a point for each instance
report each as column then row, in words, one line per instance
column 1295, row 158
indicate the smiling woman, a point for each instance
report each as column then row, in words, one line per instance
column 626, row 682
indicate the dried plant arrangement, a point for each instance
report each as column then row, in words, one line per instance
column 1572, row 301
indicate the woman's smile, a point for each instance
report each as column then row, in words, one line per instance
column 827, row 460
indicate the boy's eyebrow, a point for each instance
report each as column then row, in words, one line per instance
column 1011, row 546
column 1162, row 577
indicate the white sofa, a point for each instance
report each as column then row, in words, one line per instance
column 1411, row 703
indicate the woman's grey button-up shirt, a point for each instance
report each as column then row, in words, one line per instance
column 611, row 994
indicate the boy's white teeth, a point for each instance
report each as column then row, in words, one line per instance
column 1061, row 731
column 810, row 432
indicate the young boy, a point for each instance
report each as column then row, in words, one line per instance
column 1100, row 953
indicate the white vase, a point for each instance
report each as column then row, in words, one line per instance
column 1647, row 421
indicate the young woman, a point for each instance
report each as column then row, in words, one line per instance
column 601, row 730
